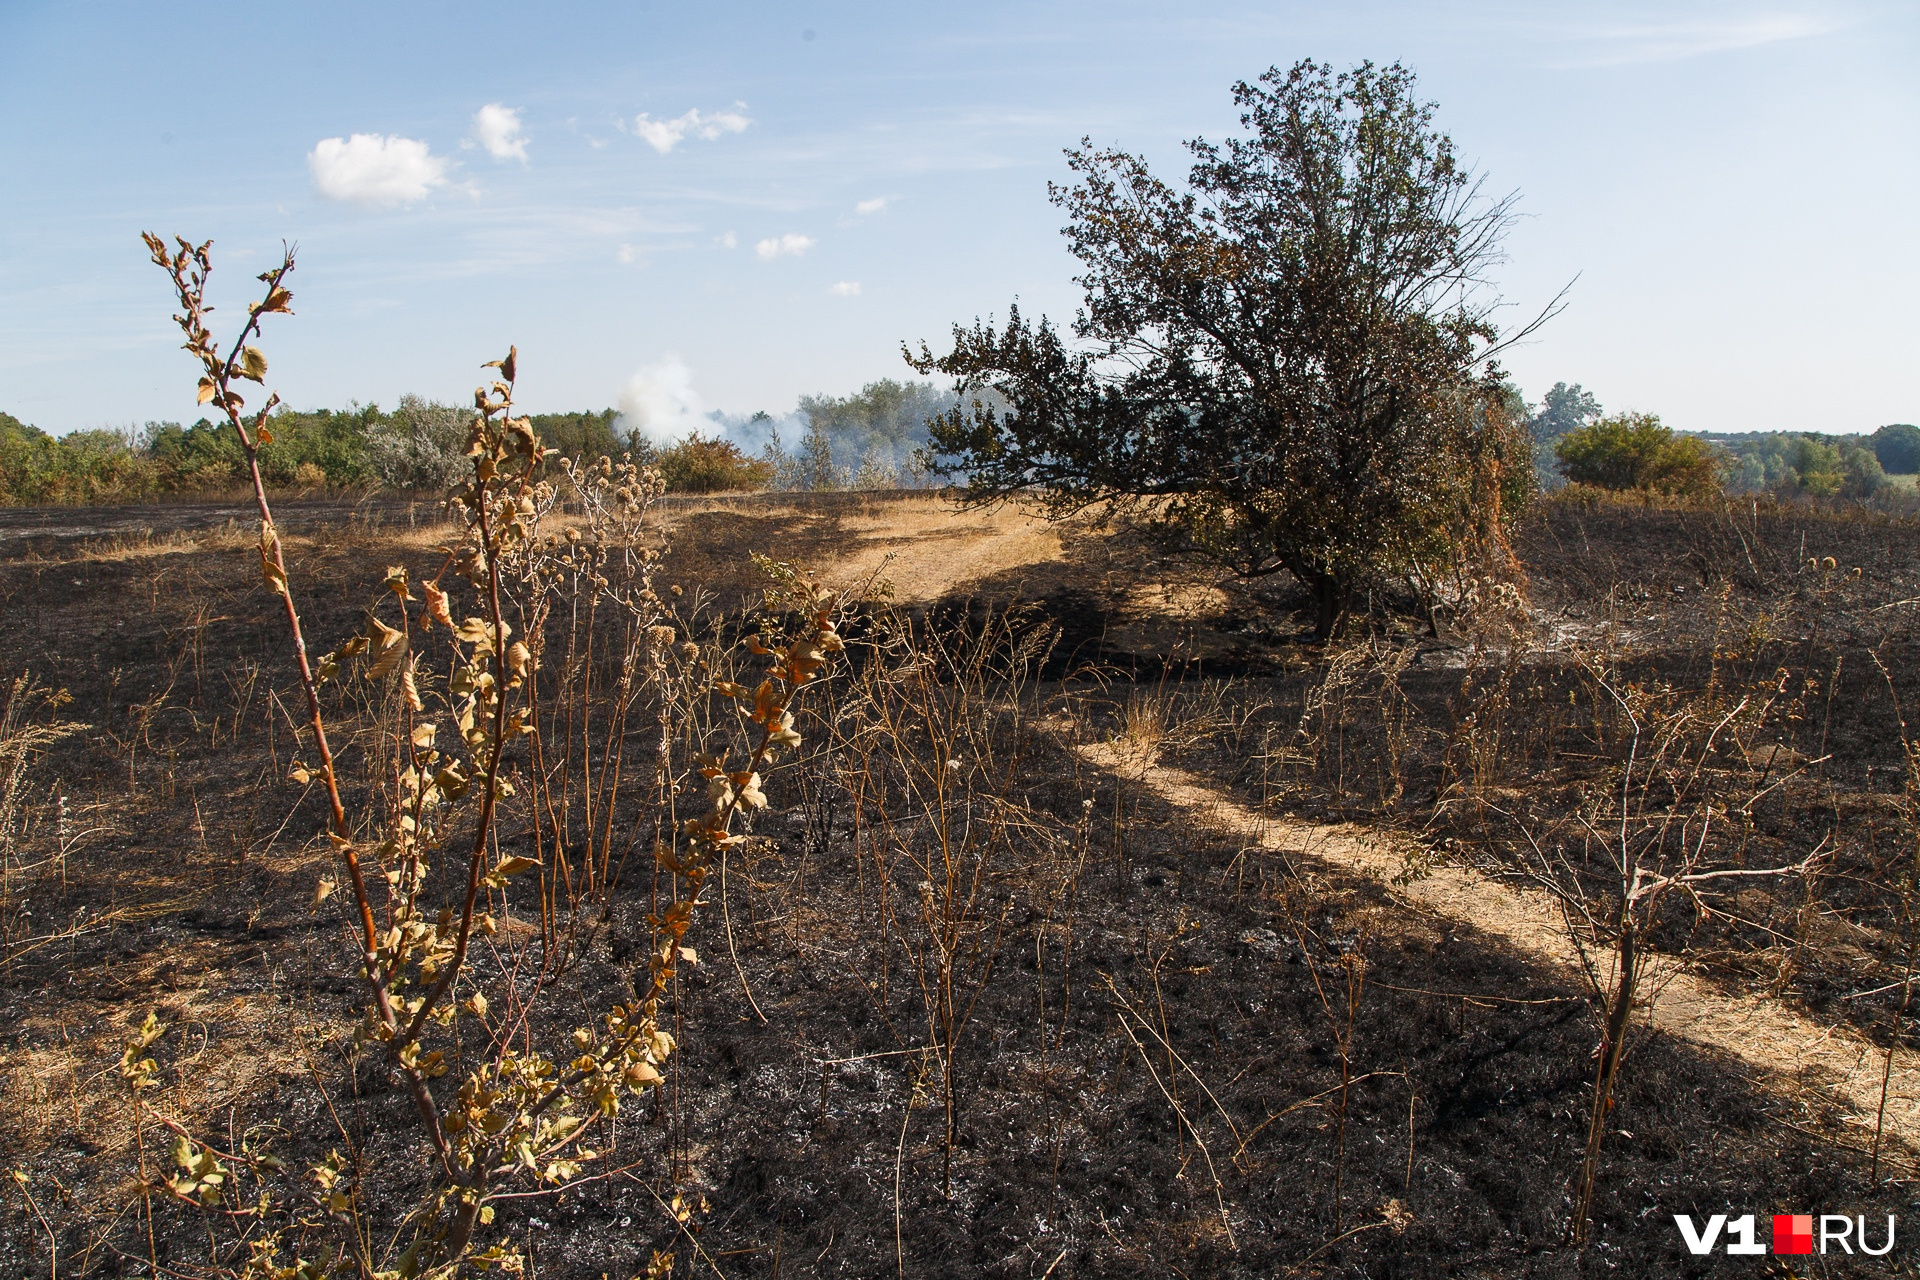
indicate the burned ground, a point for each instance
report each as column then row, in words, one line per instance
column 1149, row 1080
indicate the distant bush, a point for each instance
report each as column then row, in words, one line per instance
column 86, row 466
column 1637, row 451
column 867, row 440
column 204, row 456
column 879, row 430
column 700, row 465
column 1817, row 468
column 1897, row 448
column 1804, row 465
column 420, row 445
column 584, row 435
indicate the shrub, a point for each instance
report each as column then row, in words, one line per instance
column 1816, row 468
column 699, row 465
column 1896, row 447
column 85, row 466
column 1638, row 451
column 585, row 435
column 420, row 446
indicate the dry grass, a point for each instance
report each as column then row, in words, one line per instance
column 924, row 548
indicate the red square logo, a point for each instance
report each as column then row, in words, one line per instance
column 1793, row 1233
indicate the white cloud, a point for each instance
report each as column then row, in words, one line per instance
column 624, row 255
column 727, row 241
column 1688, row 38
column 876, row 205
column 498, row 129
column 665, row 135
column 659, row 401
column 783, row 246
column 372, row 169
column 845, row 289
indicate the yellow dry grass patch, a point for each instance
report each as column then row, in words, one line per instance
column 1185, row 600
column 925, row 548
column 1796, row 1052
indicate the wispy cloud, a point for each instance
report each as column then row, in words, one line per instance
column 789, row 245
column 375, row 170
column 625, row 255
column 876, row 205
column 1662, row 40
column 727, row 240
column 845, row 289
column 499, row 130
column 665, row 135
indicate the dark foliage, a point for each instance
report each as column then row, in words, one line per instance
column 1897, row 448
column 1285, row 352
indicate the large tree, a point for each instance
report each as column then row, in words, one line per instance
column 1563, row 411
column 1288, row 362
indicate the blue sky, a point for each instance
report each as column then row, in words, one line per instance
column 1735, row 187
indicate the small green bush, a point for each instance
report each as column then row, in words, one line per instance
column 1638, row 451
column 699, row 465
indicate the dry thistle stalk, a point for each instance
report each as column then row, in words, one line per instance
column 520, row 1113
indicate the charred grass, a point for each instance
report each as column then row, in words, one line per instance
column 1146, row 1024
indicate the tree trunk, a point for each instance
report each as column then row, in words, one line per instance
column 1330, row 599
column 1619, row 1016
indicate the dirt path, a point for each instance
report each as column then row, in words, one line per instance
column 1787, row 1049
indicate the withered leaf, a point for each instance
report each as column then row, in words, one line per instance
column 436, row 610
column 389, row 646
column 276, row 577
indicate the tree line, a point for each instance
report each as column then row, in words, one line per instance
column 1575, row 442
column 871, row 439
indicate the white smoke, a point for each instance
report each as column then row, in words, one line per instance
column 660, row 403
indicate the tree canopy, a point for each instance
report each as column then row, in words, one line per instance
column 1288, row 362
column 1563, row 410
column 1897, row 448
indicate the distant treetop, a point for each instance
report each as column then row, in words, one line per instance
column 1897, row 446
column 1563, row 410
